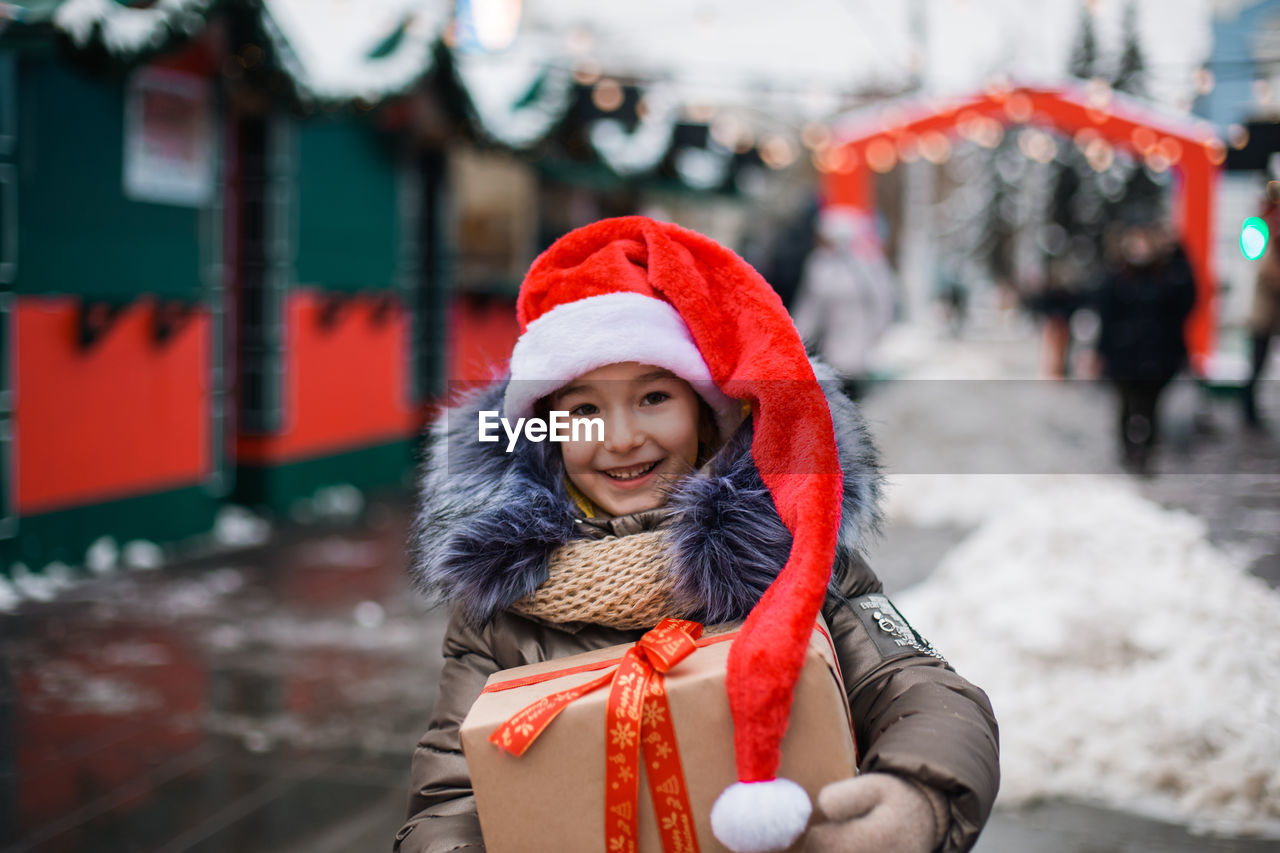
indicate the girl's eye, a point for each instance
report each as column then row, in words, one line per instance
column 583, row 410
column 653, row 398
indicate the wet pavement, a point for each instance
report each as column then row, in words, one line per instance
column 261, row 700
column 269, row 698
column 1231, row 478
column 941, row 422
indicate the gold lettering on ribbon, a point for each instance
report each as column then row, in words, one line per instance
column 686, row 840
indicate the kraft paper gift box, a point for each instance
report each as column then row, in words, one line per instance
column 553, row 798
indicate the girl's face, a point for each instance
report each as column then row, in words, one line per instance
column 650, row 434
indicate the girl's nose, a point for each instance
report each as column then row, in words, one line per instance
column 622, row 433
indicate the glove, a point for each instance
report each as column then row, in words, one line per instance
column 880, row 812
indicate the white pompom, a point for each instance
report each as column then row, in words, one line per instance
column 759, row 817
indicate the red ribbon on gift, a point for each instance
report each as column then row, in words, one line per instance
column 638, row 718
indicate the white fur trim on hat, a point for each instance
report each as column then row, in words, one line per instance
column 577, row 337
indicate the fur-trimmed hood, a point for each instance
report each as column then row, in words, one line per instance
column 488, row 520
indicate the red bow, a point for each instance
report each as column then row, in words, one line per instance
column 638, row 716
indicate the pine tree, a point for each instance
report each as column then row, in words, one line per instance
column 1076, row 200
column 1131, row 74
column 1084, row 51
column 1141, row 198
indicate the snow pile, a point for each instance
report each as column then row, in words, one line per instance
column 141, row 554
column 102, row 556
column 9, row 597
column 341, row 502
column 237, row 526
column 27, row 584
column 1129, row 662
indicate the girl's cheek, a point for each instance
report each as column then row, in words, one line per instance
column 576, row 455
column 577, row 449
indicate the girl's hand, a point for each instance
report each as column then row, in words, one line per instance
column 877, row 811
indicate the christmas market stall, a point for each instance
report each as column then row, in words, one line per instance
column 248, row 245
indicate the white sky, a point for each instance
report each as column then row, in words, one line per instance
column 972, row 39
column 734, row 49
column 839, row 44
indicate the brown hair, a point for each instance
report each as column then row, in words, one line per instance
column 709, row 440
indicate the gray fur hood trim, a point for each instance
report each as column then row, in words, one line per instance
column 488, row 520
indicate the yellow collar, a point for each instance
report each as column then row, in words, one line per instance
column 589, row 509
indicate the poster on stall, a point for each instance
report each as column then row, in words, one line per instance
column 168, row 138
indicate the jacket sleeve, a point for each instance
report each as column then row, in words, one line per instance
column 915, row 717
column 442, row 807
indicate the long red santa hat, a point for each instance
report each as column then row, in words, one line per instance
column 606, row 293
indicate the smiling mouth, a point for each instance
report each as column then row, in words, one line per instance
column 635, row 472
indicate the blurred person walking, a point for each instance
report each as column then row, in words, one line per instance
column 1056, row 304
column 1143, row 304
column 952, row 295
column 845, row 301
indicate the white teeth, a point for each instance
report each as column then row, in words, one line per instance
column 631, row 473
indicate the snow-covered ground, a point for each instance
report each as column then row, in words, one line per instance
column 1130, row 661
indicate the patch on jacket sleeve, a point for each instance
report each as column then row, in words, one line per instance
column 890, row 632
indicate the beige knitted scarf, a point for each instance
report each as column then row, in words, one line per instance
column 619, row 581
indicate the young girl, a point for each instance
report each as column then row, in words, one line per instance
column 726, row 485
